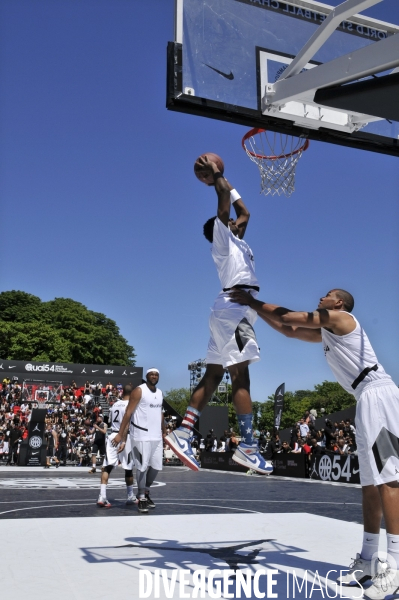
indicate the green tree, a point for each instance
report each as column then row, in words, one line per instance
column 328, row 395
column 61, row 330
column 179, row 399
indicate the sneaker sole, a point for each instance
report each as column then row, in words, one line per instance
column 143, row 510
column 244, row 463
column 186, row 461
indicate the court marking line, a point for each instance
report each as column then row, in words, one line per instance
column 92, row 504
column 201, row 499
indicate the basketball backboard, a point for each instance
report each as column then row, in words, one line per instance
column 233, row 60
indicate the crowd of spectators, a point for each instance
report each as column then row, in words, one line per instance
column 305, row 438
column 72, row 422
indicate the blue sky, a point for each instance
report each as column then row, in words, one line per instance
column 99, row 202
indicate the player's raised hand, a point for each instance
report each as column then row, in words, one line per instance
column 206, row 165
column 241, row 297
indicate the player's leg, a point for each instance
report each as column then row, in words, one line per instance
column 155, row 466
column 129, row 480
column 179, row 440
column 377, row 429
column 360, row 569
column 94, row 451
column 141, row 455
column 247, row 453
column 142, row 501
column 111, row 461
column 126, row 461
column 102, row 499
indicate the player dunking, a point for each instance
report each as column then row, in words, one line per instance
column 113, row 455
column 232, row 344
column 355, row 365
column 145, row 411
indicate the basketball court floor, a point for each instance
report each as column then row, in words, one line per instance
column 58, row 543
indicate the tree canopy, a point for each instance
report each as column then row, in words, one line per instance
column 61, row 330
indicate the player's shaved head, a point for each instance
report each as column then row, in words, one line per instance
column 346, row 297
column 127, row 389
column 208, row 229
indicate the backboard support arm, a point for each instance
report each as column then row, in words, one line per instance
column 324, row 31
column 375, row 58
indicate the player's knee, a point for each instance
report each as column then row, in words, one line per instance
column 128, row 473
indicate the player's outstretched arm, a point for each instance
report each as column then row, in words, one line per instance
column 135, row 398
column 287, row 322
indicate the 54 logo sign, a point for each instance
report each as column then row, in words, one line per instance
column 336, row 468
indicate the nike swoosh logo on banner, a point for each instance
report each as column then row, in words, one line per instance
column 225, row 75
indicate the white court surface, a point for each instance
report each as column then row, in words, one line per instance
column 101, row 558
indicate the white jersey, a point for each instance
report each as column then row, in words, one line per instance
column 116, row 414
column 233, row 258
column 146, row 421
column 348, row 355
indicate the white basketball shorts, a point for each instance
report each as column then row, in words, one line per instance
column 147, row 454
column 232, row 338
column 113, row 459
column 377, row 433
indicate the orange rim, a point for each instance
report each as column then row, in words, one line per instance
column 256, row 131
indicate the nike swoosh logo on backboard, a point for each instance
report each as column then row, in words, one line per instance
column 226, row 75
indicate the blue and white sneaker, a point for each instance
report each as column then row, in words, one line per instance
column 249, row 456
column 179, row 442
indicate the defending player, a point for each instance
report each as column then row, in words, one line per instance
column 147, row 428
column 232, row 344
column 355, row 365
column 114, row 455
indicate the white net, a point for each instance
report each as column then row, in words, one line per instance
column 276, row 156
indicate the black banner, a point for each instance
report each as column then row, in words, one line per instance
column 36, row 440
column 288, row 465
column 335, row 467
column 278, row 405
column 66, row 372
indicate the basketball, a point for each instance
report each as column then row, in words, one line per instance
column 198, row 171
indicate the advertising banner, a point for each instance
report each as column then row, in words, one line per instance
column 36, row 437
column 66, row 372
column 335, row 467
column 278, row 405
column 288, row 465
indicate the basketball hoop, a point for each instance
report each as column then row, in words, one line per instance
column 276, row 156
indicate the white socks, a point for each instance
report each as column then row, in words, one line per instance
column 393, row 548
column 370, row 545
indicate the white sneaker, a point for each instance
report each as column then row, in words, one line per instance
column 180, row 442
column 359, row 572
column 132, row 499
column 248, row 455
column 384, row 583
column 103, row 502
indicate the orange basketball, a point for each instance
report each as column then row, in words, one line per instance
column 198, row 171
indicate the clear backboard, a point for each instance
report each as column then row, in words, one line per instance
column 233, row 60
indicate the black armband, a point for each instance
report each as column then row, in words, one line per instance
column 217, row 175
